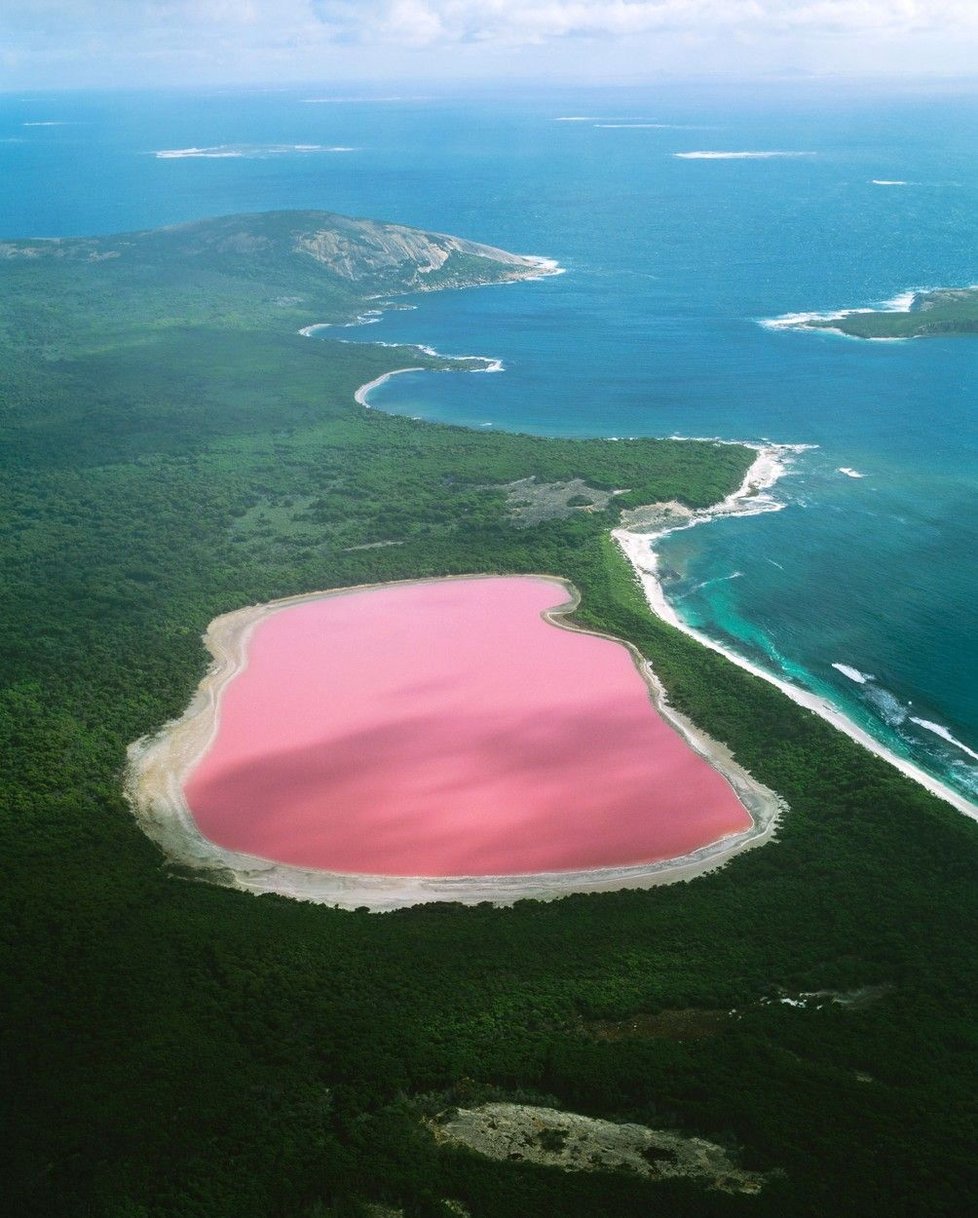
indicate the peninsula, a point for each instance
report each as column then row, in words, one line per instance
column 916, row 314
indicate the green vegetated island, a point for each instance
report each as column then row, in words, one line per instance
column 944, row 311
column 791, row 1035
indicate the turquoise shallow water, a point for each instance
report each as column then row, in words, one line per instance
column 654, row 329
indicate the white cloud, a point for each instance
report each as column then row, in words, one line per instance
column 420, row 22
column 423, row 22
column 64, row 41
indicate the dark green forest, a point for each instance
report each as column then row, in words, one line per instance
column 172, row 1049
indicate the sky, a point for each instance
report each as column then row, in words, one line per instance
column 105, row 43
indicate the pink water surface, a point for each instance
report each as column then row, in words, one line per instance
column 443, row 729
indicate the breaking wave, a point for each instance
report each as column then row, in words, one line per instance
column 938, row 730
column 853, row 673
column 227, row 151
column 737, row 156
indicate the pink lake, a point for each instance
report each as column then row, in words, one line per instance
column 447, row 729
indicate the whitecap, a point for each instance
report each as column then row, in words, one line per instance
column 737, row 156
column 849, row 473
column 889, row 182
column 854, row 674
column 706, row 583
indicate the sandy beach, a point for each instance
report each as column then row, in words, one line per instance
column 363, row 392
column 158, row 766
column 640, row 529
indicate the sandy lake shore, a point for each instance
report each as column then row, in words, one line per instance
column 158, row 766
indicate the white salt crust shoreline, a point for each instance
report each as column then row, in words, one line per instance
column 159, row 764
column 636, row 538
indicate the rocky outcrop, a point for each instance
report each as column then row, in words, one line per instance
column 271, row 246
column 354, row 249
column 519, row 1132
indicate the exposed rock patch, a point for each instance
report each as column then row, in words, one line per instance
column 654, row 517
column 815, row 1000
column 531, row 502
column 519, row 1132
column 352, row 249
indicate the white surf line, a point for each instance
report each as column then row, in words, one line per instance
column 488, row 363
column 546, row 268
column 637, row 548
column 738, row 156
column 363, row 393
column 801, row 321
column 370, row 318
column 901, row 303
column 939, row 730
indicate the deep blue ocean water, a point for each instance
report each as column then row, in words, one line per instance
column 654, row 329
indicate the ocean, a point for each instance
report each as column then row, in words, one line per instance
column 862, row 587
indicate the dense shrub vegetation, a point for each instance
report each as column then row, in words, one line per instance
column 177, row 1050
